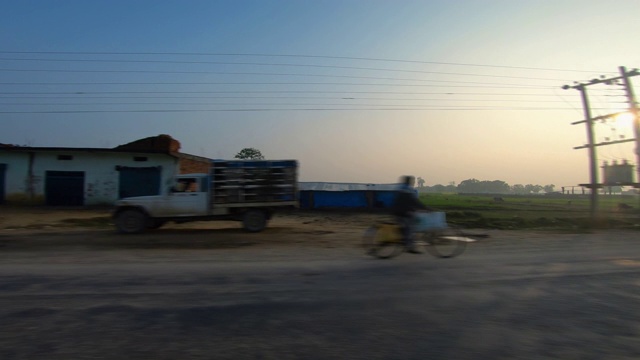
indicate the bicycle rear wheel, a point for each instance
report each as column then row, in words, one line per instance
column 445, row 243
column 383, row 241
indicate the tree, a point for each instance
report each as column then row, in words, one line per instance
column 531, row 188
column 496, row 187
column 518, row 189
column 549, row 188
column 420, row 182
column 483, row 187
column 249, row 154
column 451, row 188
column 438, row 188
column 469, row 186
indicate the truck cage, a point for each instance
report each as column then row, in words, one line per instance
column 253, row 181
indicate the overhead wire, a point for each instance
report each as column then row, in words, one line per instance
column 347, row 94
column 270, row 64
column 440, row 108
column 493, row 85
column 310, row 98
column 267, row 83
column 298, row 56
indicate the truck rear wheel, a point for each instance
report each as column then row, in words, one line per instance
column 254, row 220
column 131, row 222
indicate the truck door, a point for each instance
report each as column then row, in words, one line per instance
column 188, row 198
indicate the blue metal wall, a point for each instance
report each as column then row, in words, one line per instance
column 313, row 199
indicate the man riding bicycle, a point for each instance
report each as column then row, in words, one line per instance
column 404, row 208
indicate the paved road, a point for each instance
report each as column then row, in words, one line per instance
column 529, row 296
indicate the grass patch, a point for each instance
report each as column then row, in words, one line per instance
column 536, row 211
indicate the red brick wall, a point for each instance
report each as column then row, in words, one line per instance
column 190, row 166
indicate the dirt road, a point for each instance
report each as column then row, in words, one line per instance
column 303, row 289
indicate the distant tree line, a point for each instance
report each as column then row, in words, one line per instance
column 475, row 186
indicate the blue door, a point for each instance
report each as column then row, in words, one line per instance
column 139, row 181
column 64, row 188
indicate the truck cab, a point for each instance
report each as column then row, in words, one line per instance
column 188, row 196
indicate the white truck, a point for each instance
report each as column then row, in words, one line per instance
column 244, row 190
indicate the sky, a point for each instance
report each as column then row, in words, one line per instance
column 355, row 90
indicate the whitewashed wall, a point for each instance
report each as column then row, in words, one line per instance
column 15, row 175
column 101, row 177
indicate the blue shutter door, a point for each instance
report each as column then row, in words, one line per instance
column 64, row 188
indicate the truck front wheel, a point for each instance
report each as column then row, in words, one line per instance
column 131, row 222
column 254, row 220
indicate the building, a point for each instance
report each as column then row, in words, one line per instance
column 60, row 176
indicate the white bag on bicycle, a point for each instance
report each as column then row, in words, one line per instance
column 430, row 221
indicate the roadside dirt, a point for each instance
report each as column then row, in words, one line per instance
column 65, row 233
column 40, row 218
column 29, row 229
column 296, row 227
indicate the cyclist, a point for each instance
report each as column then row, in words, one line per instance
column 404, row 208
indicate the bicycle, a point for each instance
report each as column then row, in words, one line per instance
column 384, row 239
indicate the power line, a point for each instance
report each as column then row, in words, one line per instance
column 298, row 56
column 268, row 97
column 110, row 71
column 221, row 73
column 270, row 64
column 439, row 108
column 262, row 83
column 249, row 92
column 209, row 103
column 481, row 85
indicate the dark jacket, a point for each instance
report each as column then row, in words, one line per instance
column 405, row 203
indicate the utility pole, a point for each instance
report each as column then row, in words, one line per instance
column 589, row 120
column 593, row 158
column 633, row 109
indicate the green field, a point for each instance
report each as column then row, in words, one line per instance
column 570, row 212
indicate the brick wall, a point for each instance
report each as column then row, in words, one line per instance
column 190, row 166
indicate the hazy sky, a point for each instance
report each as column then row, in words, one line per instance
column 356, row 90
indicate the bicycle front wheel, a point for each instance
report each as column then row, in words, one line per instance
column 383, row 241
column 445, row 243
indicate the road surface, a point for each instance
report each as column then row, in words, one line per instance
column 181, row 294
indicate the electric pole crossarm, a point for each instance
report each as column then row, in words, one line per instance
column 604, row 143
column 608, row 81
column 601, row 117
